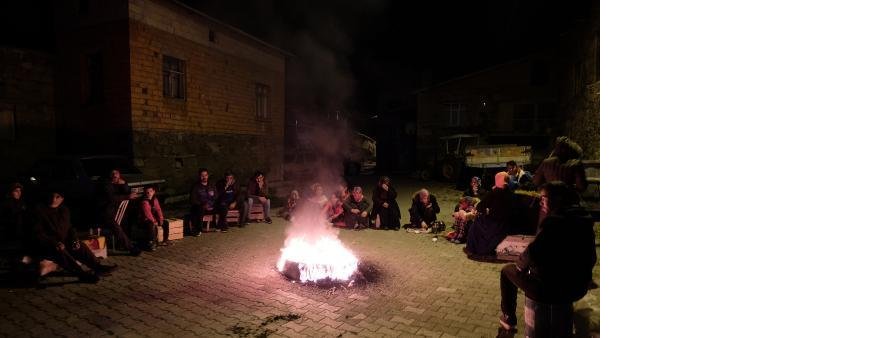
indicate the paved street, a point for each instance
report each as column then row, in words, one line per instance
column 226, row 285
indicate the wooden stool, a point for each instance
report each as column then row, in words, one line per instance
column 548, row 320
column 233, row 216
column 256, row 212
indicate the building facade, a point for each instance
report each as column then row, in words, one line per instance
column 171, row 87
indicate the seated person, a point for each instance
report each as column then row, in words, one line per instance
column 557, row 267
column 335, row 211
column 12, row 216
column 317, row 199
column 54, row 238
column 424, row 210
column 203, row 200
column 258, row 191
column 292, row 201
column 475, row 189
column 115, row 191
column 151, row 218
column 464, row 215
column 518, row 178
column 386, row 213
column 493, row 219
column 356, row 210
column 227, row 200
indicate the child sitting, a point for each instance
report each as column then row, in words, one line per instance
column 463, row 216
column 292, row 200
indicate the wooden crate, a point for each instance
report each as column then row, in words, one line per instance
column 175, row 229
column 98, row 245
column 512, row 246
column 256, row 212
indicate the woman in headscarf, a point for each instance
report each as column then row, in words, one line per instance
column 386, row 213
column 475, row 189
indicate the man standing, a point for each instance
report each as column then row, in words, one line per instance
column 203, row 199
column 557, row 267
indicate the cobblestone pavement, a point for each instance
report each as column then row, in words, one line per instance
column 226, row 285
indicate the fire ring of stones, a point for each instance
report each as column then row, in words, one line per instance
column 367, row 273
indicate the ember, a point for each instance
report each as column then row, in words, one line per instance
column 317, row 259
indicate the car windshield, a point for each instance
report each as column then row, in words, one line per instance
column 101, row 166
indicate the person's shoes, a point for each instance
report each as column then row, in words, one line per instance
column 506, row 333
column 134, row 252
column 223, row 231
column 104, row 270
column 198, row 234
column 164, row 243
column 507, row 323
column 151, row 246
column 268, row 220
column 89, row 277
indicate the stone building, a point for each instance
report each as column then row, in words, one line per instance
column 169, row 86
column 514, row 102
column 27, row 112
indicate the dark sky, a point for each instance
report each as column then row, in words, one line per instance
column 396, row 46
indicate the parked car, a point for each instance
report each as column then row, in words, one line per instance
column 79, row 177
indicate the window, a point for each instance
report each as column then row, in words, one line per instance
column 93, row 79
column 173, row 77
column 455, row 111
column 262, row 101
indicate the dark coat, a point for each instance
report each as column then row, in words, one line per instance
column 390, row 216
column 203, row 195
column 419, row 213
column 497, row 205
column 563, row 253
column 469, row 192
column 571, row 172
column 52, row 226
column 254, row 189
column 227, row 194
column 350, row 203
column 12, row 218
column 111, row 196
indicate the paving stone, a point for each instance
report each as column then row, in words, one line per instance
column 206, row 286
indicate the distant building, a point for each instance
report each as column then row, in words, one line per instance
column 514, row 102
column 169, row 86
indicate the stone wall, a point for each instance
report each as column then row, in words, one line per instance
column 216, row 125
column 27, row 112
column 177, row 155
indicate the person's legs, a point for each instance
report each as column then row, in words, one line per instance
column 116, row 228
column 165, row 229
column 246, row 213
column 195, row 220
column 266, row 206
column 85, row 255
column 222, row 211
column 512, row 280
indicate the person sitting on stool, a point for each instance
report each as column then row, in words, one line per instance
column 557, row 267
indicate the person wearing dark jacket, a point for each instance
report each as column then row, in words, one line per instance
column 12, row 215
column 493, row 219
column 116, row 192
column 203, row 200
column 227, row 199
column 386, row 213
column 355, row 209
column 557, row 267
column 54, row 238
column 563, row 164
column 424, row 210
column 258, row 190
column 475, row 189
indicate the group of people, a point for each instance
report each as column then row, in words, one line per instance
column 349, row 208
column 225, row 195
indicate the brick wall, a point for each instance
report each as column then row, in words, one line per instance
column 579, row 84
column 26, row 101
column 216, row 125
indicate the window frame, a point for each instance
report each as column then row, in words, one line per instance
column 168, row 74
